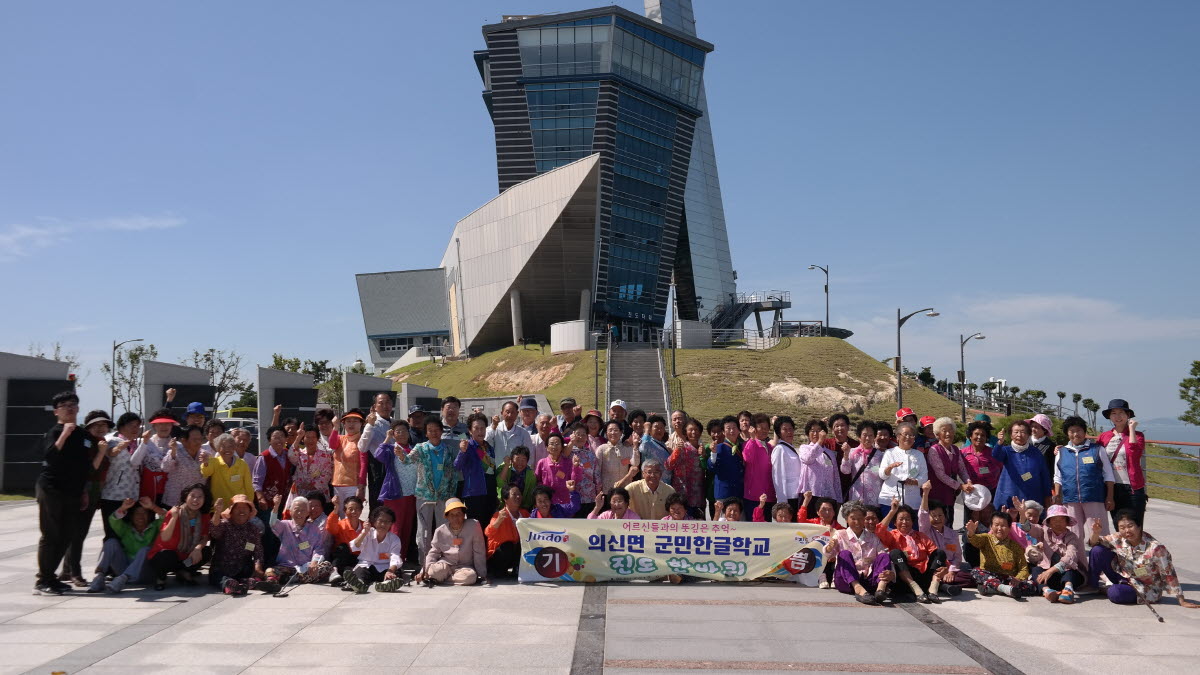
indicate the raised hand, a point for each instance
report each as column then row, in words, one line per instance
column 69, row 428
column 335, row 501
column 219, row 505
column 762, row 499
column 372, row 418
column 103, row 446
column 171, row 394
column 570, row 486
column 495, row 421
column 1000, row 437
column 1096, row 528
column 575, row 460
column 123, row 445
column 127, row 504
column 391, row 436
column 926, row 487
column 972, row 526
column 807, row 496
column 278, row 408
column 146, row 502
column 277, row 501
column 895, row 503
column 146, row 436
column 462, row 445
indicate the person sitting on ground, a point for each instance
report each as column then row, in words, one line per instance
column 1025, row 515
column 182, row 543
column 544, row 506
column 1003, row 568
column 318, row 508
column 827, row 516
column 1138, row 567
column 1059, row 558
column 503, row 541
column 916, row 559
column 458, row 552
column 124, row 556
column 676, row 508
column 379, row 557
column 729, row 509
column 931, row 521
column 618, row 506
column 301, row 545
column 648, row 496
column 903, row 470
column 781, row 512
column 861, row 560
column 341, row 533
column 237, row 562
column 227, row 474
column 1083, row 477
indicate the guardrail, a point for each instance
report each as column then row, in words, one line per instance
column 1183, row 458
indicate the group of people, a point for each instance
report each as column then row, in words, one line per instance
column 357, row 500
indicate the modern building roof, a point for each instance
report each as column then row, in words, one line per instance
column 409, row 302
column 523, row 21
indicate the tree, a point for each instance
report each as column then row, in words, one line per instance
column 972, row 387
column 926, row 377
column 332, row 390
column 248, row 397
column 126, row 381
column 1076, row 398
column 57, row 353
column 278, row 362
column 1091, row 406
column 225, row 371
column 1061, row 395
column 1189, row 391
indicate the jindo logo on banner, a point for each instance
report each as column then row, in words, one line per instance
column 606, row 550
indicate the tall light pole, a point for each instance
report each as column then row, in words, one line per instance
column 962, row 368
column 825, row 269
column 113, row 379
column 900, row 321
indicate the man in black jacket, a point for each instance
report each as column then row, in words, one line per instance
column 65, row 467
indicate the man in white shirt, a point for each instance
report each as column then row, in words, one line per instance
column 505, row 434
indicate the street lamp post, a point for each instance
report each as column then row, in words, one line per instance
column 825, row 269
column 113, row 379
column 962, row 369
column 900, row 321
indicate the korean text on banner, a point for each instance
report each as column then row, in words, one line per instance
column 560, row 549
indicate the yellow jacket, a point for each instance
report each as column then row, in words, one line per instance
column 227, row 481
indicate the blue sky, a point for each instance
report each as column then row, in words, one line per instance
column 213, row 174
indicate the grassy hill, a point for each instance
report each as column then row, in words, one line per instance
column 512, row 371
column 807, row 377
column 803, row 378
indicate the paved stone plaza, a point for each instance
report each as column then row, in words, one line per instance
column 628, row 628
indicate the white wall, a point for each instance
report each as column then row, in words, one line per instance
column 569, row 336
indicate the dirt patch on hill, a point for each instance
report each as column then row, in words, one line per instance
column 823, row 398
column 528, row 379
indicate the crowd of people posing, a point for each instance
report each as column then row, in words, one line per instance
column 363, row 499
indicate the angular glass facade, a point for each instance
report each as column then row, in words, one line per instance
column 612, row 83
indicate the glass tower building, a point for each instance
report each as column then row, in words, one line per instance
column 611, row 83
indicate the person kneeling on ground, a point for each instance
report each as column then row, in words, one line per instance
column 237, row 564
column 862, row 560
column 677, row 509
column 301, row 545
column 931, row 521
column 125, row 554
column 342, row 533
column 1003, row 568
column 503, row 541
column 182, row 543
column 379, row 557
column 457, row 552
column 917, row 560
column 1058, row 556
column 1138, row 566
column 618, row 506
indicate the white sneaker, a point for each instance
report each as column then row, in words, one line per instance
column 823, row 584
column 117, row 584
column 335, row 579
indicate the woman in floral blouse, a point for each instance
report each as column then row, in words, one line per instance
column 684, row 465
column 1138, row 566
column 863, row 462
column 313, row 462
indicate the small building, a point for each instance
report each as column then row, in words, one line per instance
column 403, row 310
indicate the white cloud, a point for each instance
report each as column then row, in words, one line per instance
column 21, row 240
column 18, row 241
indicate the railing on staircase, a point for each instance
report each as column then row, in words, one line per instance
column 607, row 372
column 662, row 374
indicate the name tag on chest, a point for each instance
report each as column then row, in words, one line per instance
column 304, row 545
column 983, row 470
column 1089, row 460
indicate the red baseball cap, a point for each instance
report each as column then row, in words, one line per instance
column 904, row 412
column 927, row 420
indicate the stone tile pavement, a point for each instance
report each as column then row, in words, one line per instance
column 619, row 628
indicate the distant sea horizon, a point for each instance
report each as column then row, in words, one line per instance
column 1171, row 429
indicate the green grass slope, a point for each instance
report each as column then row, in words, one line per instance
column 512, row 371
column 806, row 377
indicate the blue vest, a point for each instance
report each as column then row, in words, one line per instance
column 1082, row 480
